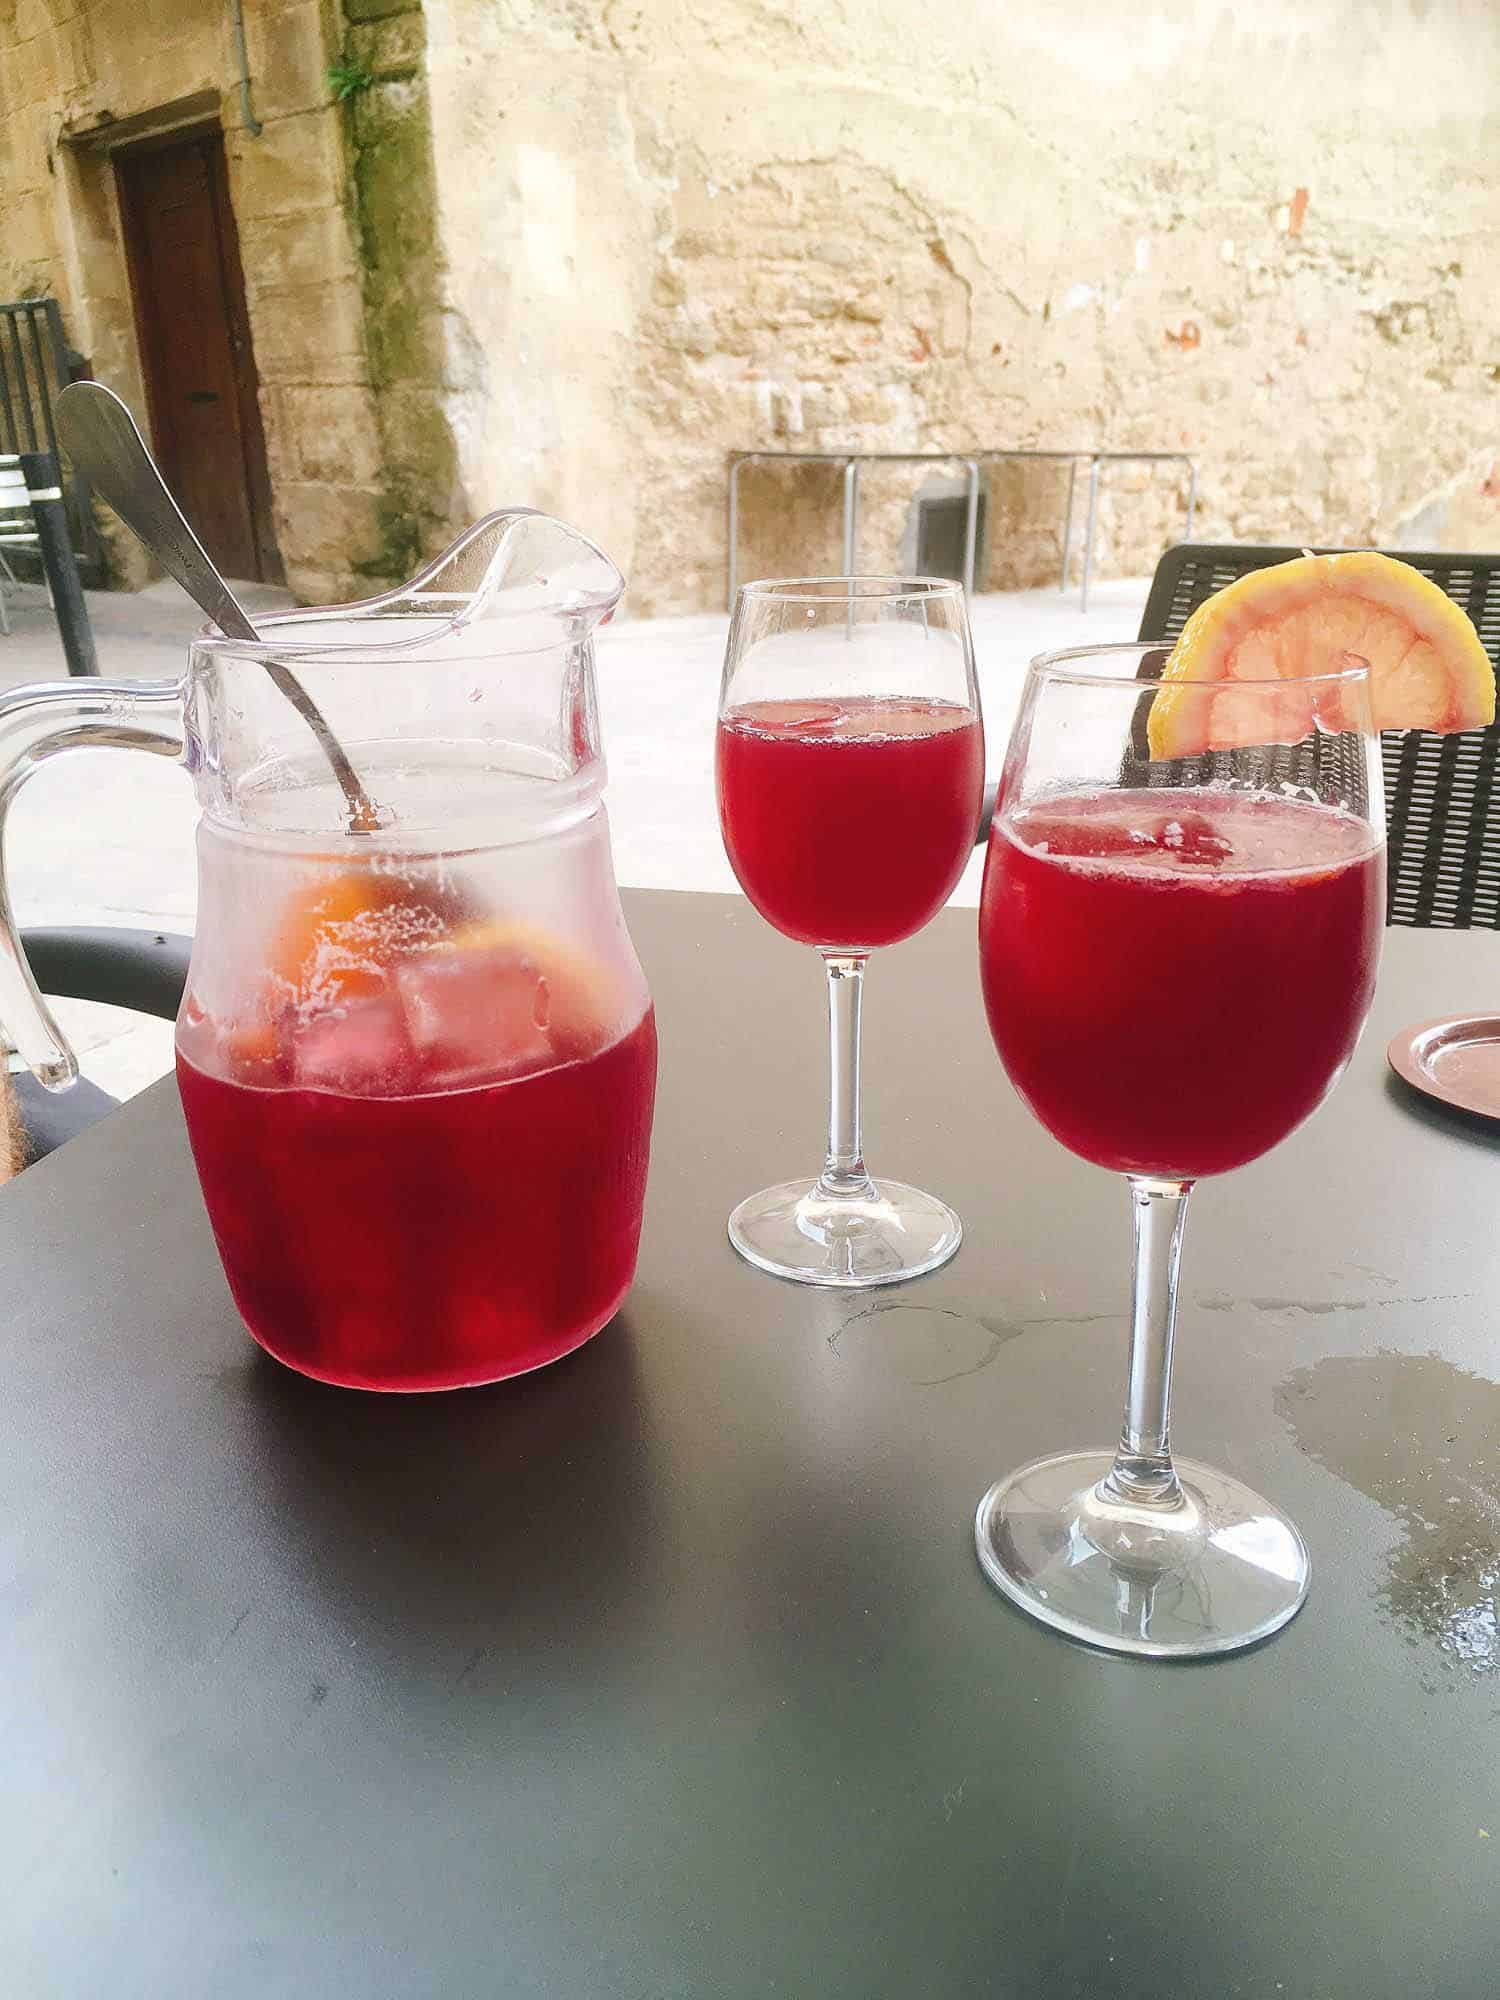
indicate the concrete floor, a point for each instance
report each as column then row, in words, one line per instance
column 102, row 837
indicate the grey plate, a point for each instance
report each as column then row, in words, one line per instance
column 1456, row 1060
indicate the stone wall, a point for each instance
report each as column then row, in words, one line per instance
column 572, row 252
column 350, row 395
column 1266, row 236
column 289, row 187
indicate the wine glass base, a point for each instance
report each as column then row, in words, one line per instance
column 796, row 1231
column 1236, row 1575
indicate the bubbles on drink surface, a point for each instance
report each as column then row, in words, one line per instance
column 1216, row 831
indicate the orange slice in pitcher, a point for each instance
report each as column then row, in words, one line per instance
column 1428, row 668
column 340, row 936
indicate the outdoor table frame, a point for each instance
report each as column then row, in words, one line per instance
column 851, row 461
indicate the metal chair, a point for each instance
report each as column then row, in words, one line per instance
column 1443, row 846
column 17, row 528
column 32, row 516
column 142, row 970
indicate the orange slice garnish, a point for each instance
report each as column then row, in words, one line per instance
column 1428, row 668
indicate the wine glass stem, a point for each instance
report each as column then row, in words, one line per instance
column 844, row 1170
column 1142, row 1472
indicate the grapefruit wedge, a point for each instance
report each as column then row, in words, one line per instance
column 1428, row 669
column 340, row 934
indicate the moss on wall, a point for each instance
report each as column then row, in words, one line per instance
column 393, row 202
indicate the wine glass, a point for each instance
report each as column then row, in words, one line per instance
column 1177, row 955
column 850, row 767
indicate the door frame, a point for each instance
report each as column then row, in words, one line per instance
column 255, row 467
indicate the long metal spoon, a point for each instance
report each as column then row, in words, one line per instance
column 100, row 436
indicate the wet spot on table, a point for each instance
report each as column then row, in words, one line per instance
column 1420, row 1437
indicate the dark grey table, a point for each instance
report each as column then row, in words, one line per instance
column 670, row 1671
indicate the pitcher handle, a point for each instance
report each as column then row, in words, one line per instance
column 37, row 723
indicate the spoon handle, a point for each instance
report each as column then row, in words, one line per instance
column 101, row 437
column 363, row 816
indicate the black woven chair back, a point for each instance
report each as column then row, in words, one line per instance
column 1443, row 845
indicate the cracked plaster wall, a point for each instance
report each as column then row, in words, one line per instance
column 673, row 229
column 664, row 230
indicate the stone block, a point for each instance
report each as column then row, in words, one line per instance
column 379, row 10
column 133, row 26
column 399, row 43
column 283, row 250
column 418, row 443
column 331, row 434
column 327, row 527
column 313, row 583
column 309, row 333
column 289, row 59
column 276, row 432
column 45, row 56
column 404, row 335
column 28, row 247
column 296, row 165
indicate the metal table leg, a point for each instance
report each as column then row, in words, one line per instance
column 851, row 513
column 971, row 526
column 735, row 465
column 1062, row 581
column 1088, row 533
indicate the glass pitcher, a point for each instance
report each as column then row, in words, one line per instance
column 416, row 1051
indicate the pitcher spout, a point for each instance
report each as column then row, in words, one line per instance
column 514, row 563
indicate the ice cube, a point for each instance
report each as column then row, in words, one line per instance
column 475, row 1014
column 361, row 1047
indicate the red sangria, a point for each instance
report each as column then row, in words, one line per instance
column 424, row 1151
column 1175, row 980
column 849, row 821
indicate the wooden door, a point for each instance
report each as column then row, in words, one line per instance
column 189, row 293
